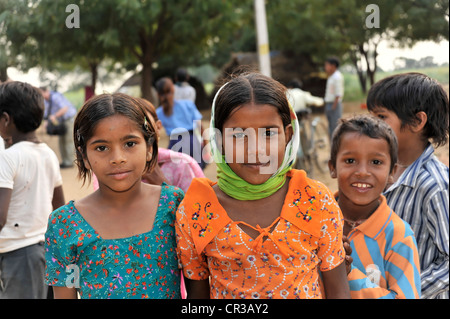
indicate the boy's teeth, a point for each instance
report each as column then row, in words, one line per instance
column 362, row 185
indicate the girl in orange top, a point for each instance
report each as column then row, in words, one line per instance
column 263, row 230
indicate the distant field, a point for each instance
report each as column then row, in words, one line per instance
column 353, row 90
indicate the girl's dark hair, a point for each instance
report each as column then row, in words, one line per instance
column 105, row 105
column 409, row 93
column 24, row 104
column 367, row 125
column 251, row 88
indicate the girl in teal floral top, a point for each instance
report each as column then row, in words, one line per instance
column 118, row 242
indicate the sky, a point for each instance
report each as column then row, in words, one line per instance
column 386, row 57
column 439, row 51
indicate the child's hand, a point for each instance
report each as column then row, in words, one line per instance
column 348, row 252
column 155, row 177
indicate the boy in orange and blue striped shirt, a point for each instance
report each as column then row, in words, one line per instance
column 385, row 261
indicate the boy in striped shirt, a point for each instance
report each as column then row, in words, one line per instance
column 385, row 261
column 416, row 107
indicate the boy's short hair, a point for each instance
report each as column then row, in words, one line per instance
column 368, row 125
column 24, row 104
column 333, row 60
column 407, row 94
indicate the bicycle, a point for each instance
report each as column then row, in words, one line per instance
column 314, row 150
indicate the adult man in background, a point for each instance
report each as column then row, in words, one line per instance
column 334, row 93
column 56, row 107
column 183, row 90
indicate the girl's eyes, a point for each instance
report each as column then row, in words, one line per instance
column 102, row 148
column 270, row 133
column 267, row 133
column 130, row 144
column 239, row 135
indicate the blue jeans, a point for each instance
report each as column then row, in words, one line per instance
column 333, row 116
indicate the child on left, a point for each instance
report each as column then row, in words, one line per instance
column 118, row 242
column 30, row 188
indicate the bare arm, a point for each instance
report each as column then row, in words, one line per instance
column 335, row 283
column 64, row 293
column 197, row 289
column 58, row 197
column 5, row 198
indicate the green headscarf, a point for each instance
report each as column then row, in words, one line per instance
column 233, row 185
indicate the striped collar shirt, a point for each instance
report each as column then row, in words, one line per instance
column 421, row 197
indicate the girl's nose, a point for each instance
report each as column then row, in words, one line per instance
column 118, row 157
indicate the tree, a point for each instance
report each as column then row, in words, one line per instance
column 15, row 20
column 152, row 30
column 346, row 28
column 64, row 44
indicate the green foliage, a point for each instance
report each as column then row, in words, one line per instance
column 171, row 33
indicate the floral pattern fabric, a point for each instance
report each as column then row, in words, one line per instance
column 141, row 266
column 282, row 262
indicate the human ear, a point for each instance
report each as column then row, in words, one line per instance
column 332, row 169
column 149, row 155
column 420, row 121
column 159, row 126
column 6, row 117
column 85, row 160
column 392, row 174
column 288, row 132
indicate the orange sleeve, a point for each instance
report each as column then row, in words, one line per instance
column 331, row 250
column 193, row 264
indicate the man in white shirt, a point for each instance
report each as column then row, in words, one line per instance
column 334, row 93
column 183, row 90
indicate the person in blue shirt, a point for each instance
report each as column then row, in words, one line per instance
column 180, row 119
column 57, row 106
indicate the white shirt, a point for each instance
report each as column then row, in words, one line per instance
column 32, row 172
column 184, row 92
column 300, row 99
column 335, row 87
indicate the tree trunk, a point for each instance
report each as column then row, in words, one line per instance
column 94, row 74
column 375, row 66
column 361, row 76
column 3, row 74
column 146, row 82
